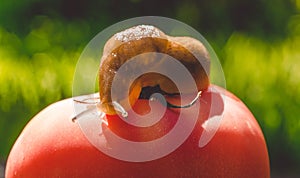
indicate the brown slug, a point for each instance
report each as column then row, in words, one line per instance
column 141, row 39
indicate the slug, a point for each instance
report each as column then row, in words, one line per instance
column 141, row 39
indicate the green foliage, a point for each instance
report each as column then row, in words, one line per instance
column 267, row 78
column 35, row 71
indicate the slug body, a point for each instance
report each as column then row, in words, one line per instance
column 145, row 39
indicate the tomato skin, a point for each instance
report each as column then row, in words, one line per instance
column 51, row 145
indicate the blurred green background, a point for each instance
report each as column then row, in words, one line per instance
column 257, row 41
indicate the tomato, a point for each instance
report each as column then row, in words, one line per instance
column 51, row 145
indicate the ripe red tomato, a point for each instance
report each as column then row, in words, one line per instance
column 51, row 145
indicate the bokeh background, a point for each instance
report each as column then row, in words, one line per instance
column 257, row 41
